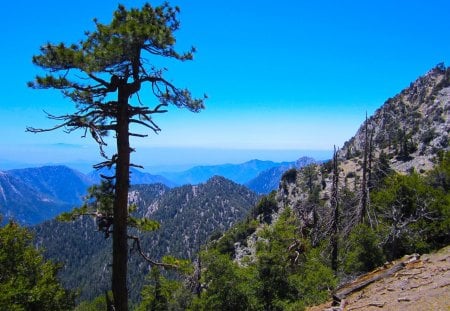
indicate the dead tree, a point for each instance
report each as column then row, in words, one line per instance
column 335, row 211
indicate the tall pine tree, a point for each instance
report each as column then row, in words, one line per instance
column 100, row 74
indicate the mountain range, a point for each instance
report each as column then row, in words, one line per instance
column 188, row 216
column 32, row 195
column 407, row 132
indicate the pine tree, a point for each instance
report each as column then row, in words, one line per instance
column 101, row 74
column 27, row 281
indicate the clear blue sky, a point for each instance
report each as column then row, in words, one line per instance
column 281, row 76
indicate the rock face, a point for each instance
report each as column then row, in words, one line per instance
column 407, row 131
column 410, row 127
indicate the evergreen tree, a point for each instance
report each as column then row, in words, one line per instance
column 156, row 296
column 101, row 74
column 27, row 281
column 415, row 216
column 227, row 286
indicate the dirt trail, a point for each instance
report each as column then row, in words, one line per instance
column 423, row 283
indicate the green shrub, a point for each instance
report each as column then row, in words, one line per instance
column 365, row 252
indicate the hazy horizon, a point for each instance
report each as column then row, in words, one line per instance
column 156, row 160
column 280, row 76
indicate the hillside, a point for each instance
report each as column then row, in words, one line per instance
column 33, row 195
column 404, row 135
column 60, row 182
column 385, row 194
column 411, row 126
column 188, row 216
column 423, row 284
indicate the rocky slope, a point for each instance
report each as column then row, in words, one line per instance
column 406, row 133
column 410, row 127
column 422, row 284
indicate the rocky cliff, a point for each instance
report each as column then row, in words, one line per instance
column 410, row 127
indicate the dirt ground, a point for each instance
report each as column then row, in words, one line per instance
column 422, row 284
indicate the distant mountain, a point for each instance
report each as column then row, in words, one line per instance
column 239, row 173
column 24, row 203
column 188, row 216
column 269, row 179
column 59, row 182
column 136, row 177
column 33, row 195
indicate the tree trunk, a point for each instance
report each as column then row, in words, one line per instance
column 363, row 204
column 335, row 207
column 120, row 246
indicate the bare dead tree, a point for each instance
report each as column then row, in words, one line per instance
column 335, row 212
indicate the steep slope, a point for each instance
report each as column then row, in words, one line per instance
column 269, row 179
column 406, row 134
column 59, row 182
column 188, row 216
column 410, row 127
column 401, row 141
column 23, row 203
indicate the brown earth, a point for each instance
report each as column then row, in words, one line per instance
column 417, row 283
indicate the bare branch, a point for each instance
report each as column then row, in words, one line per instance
column 101, row 81
column 151, row 125
column 138, row 135
column 137, row 244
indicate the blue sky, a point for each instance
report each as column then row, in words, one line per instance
column 283, row 77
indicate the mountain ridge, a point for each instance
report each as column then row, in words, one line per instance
column 268, row 180
column 239, row 173
column 308, row 190
column 30, row 196
column 188, row 215
column 56, row 189
column 412, row 125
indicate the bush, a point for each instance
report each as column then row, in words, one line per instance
column 365, row 252
column 290, row 176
